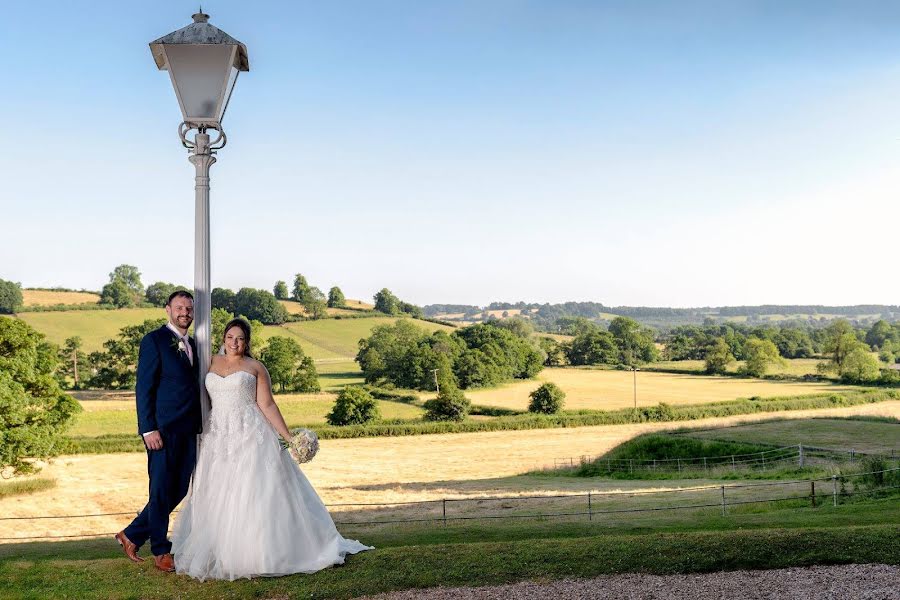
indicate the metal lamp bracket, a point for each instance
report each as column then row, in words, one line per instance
column 216, row 144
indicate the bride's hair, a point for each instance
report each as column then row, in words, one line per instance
column 245, row 328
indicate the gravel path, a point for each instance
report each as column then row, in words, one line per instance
column 844, row 582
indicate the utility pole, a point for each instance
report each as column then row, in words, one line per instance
column 436, row 384
column 634, row 371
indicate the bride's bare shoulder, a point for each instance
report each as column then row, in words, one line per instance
column 258, row 368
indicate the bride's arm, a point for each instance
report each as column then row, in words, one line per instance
column 266, row 402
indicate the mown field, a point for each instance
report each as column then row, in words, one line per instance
column 93, row 326
column 50, row 298
column 863, row 436
column 337, row 338
column 609, row 389
column 325, row 339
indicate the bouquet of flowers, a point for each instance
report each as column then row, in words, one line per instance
column 303, row 446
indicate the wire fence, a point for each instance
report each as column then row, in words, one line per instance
column 596, row 506
column 799, row 455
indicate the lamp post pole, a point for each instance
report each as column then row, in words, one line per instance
column 202, row 157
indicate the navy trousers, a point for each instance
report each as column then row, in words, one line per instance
column 170, row 471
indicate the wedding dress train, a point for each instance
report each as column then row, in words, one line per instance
column 251, row 511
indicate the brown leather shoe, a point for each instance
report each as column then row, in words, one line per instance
column 128, row 547
column 165, row 562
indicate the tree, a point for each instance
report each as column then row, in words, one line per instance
column 636, row 344
column 115, row 368
column 314, row 303
column 556, row 355
column 259, row 305
column 839, row 342
column 880, row 333
column 124, row 288
column 34, row 412
column 354, row 406
column 517, row 325
column 306, row 379
column 449, row 405
column 73, row 364
column 280, row 291
column 285, row 361
column 593, row 347
column 410, row 309
column 860, row 366
column 300, row 289
column 157, row 293
column 224, row 299
column 759, row 355
column 718, row 357
column 547, row 399
column 387, row 302
column 336, row 298
column 10, row 296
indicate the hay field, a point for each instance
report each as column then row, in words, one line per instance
column 838, row 434
column 367, row 470
column 51, row 298
column 94, row 326
column 610, row 390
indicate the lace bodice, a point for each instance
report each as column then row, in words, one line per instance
column 235, row 420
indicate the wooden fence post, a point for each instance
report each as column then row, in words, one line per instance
column 812, row 492
column 590, row 510
column 834, row 488
column 444, row 506
column 723, row 500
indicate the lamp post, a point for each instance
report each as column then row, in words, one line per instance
column 203, row 63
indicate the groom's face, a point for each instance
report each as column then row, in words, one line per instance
column 181, row 312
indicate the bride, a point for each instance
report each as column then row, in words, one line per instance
column 250, row 511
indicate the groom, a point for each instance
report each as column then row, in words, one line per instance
column 168, row 409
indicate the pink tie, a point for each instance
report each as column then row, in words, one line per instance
column 187, row 347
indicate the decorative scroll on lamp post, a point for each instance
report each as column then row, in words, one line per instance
column 203, row 62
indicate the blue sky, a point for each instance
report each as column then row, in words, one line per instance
column 653, row 153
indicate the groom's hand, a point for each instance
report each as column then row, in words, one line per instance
column 153, row 441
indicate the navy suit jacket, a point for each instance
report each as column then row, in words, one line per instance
column 168, row 390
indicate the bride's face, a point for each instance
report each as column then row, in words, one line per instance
column 235, row 342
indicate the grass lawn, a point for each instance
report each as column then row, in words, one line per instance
column 486, row 553
column 609, row 389
column 839, row 434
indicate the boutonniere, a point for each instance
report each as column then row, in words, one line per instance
column 178, row 344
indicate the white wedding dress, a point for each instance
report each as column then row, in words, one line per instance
column 250, row 511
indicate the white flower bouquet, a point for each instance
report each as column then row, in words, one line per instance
column 303, row 446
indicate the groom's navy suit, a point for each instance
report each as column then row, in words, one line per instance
column 168, row 401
